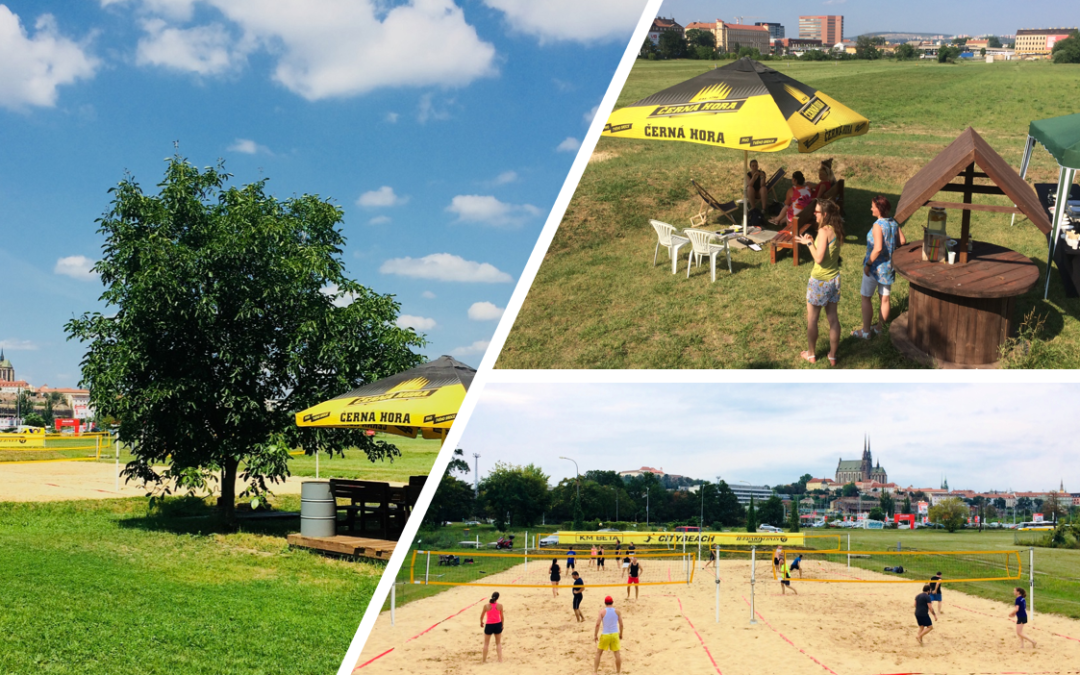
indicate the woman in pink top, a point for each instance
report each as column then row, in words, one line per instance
column 492, row 616
column 798, row 198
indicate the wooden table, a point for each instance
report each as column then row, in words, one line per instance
column 961, row 314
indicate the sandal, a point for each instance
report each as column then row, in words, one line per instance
column 877, row 329
column 832, row 361
column 861, row 334
column 808, row 356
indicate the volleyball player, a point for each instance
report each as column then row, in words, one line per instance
column 599, row 558
column 935, row 591
column 634, row 578
column 923, row 609
column 785, row 579
column 611, row 621
column 795, row 564
column 571, row 557
column 712, row 558
column 624, row 566
column 777, row 558
column 1019, row 610
column 555, row 577
column 492, row 617
column 592, row 556
column 578, row 591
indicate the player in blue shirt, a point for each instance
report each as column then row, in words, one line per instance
column 1019, row 610
column 571, row 556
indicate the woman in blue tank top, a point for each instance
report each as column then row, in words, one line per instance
column 1019, row 610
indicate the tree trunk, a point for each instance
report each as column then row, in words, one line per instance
column 227, row 501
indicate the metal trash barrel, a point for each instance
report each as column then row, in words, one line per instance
column 318, row 510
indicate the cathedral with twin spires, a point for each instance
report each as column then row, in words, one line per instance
column 856, row 470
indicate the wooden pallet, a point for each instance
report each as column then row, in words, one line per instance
column 361, row 547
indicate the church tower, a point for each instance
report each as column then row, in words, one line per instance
column 867, row 461
column 7, row 371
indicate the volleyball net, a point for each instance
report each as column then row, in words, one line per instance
column 55, row 447
column 954, row 567
column 520, row 570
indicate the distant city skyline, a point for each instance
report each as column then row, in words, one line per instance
column 981, row 437
column 995, row 17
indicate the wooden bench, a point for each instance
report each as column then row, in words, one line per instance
column 786, row 237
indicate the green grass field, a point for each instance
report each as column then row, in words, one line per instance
column 1057, row 579
column 597, row 301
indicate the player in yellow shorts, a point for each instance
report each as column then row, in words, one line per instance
column 610, row 621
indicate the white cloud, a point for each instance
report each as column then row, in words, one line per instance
column 561, row 20
column 506, row 177
column 340, row 299
column 18, row 345
column 392, row 117
column 76, row 267
column 490, row 211
column 588, row 116
column 327, row 48
column 426, row 110
column 248, row 147
column 203, row 50
column 571, row 144
column 384, row 196
column 379, row 220
column 446, row 267
column 478, row 347
column 428, row 295
column 415, row 322
column 485, row 311
column 834, row 2
column 33, row 67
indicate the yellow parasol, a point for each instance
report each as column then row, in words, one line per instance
column 420, row 401
column 744, row 105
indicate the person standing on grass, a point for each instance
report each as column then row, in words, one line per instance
column 823, row 290
column 935, row 590
column 492, row 618
column 556, row 575
column 1019, row 610
column 610, row 620
column 634, row 578
column 923, row 610
column 785, row 579
column 579, row 593
column 878, row 274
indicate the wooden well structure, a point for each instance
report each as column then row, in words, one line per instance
column 960, row 314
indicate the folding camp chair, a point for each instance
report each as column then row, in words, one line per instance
column 709, row 203
column 770, row 184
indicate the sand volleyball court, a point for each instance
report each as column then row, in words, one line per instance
column 837, row 628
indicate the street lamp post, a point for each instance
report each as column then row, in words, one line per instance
column 577, row 474
column 646, row 507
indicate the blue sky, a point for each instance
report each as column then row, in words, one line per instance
column 998, row 17
column 981, row 436
column 444, row 130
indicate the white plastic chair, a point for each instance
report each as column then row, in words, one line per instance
column 704, row 243
column 666, row 237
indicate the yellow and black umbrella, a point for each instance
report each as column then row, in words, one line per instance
column 744, row 105
column 420, row 401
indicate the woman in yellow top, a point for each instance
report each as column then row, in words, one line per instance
column 824, row 287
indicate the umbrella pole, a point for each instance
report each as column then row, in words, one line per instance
column 746, row 168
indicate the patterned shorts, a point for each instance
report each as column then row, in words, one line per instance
column 821, row 293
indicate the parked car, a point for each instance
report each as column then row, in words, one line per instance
column 818, row 523
column 470, row 523
column 769, row 528
column 550, row 540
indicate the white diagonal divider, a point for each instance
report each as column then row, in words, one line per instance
column 374, row 608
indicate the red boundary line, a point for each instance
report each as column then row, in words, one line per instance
column 372, row 660
column 436, row 624
column 789, row 641
column 703, row 645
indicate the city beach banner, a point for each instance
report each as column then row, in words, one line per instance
column 744, row 105
column 679, row 538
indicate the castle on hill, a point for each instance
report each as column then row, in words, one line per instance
column 857, row 470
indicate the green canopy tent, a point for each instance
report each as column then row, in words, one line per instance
column 1061, row 138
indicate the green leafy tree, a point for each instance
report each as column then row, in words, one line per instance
column 729, row 511
column 219, row 328
column 33, row 420
column 24, row 403
column 993, row 42
column 518, row 491
column 906, row 507
column 866, row 47
column 952, row 513
column 960, row 41
column 793, row 517
column 672, row 45
column 751, row 517
column 454, row 499
column 849, row 490
column 887, row 504
column 47, row 414
column 648, row 49
column 697, row 38
column 982, row 52
column 1054, row 509
column 876, row 513
column 1067, row 50
column 772, row 512
column 906, row 52
column 947, row 54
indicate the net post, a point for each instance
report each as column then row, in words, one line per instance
column 427, row 568
column 716, row 570
column 393, row 592
column 97, row 447
column 1031, row 580
column 118, row 463
column 753, row 571
column 849, row 549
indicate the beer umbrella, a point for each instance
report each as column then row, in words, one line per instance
column 419, row 401
column 744, row 105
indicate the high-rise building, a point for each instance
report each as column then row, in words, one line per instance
column 776, row 31
column 828, row 29
column 1039, row 40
